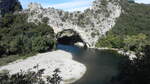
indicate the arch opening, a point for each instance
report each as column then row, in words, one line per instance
column 70, row 37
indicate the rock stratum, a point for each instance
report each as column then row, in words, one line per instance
column 91, row 24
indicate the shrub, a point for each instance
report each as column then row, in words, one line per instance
column 29, row 77
column 131, row 26
column 20, row 37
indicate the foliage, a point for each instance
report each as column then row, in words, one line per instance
column 20, row 37
column 110, row 41
column 135, row 42
column 55, row 79
column 131, row 28
column 9, row 7
column 16, row 7
column 29, row 77
column 41, row 44
column 11, row 58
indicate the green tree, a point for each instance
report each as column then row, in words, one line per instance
column 111, row 41
column 29, row 77
column 135, row 42
column 20, row 37
column 132, row 22
column 2, row 51
column 42, row 44
column 16, row 7
column 6, row 20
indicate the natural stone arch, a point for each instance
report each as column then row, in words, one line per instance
column 89, row 24
column 69, row 37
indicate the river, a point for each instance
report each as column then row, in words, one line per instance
column 101, row 65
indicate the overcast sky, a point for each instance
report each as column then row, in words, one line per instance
column 67, row 5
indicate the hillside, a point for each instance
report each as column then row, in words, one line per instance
column 18, row 38
column 131, row 28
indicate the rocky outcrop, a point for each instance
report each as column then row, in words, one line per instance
column 7, row 6
column 90, row 24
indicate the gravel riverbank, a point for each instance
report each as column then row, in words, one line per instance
column 71, row 70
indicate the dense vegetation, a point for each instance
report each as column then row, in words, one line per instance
column 18, row 37
column 30, row 77
column 131, row 29
column 6, row 7
column 17, row 7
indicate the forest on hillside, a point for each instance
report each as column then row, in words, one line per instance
column 18, row 38
column 132, row 29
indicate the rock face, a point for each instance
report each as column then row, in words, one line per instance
column 68, row 37
column 90, row 24
column 7, row 6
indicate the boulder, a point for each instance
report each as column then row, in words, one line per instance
column 79, row 44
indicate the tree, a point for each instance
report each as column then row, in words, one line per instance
column 111, row 41
column 18, row 37
column 42, row 44
column 2, row 51
column 29, row 77
column 132, row 22
column 135, row 42
column 16, row 7
column 55, row 79
column 6, row 20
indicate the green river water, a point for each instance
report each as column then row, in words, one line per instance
column 101, row 65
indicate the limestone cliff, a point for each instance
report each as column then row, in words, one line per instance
column 90, row 24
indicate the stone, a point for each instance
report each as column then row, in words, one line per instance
column 79, row 44
column 91, row 24
column 34, row 6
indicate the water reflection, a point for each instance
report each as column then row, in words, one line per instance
column 101, row 65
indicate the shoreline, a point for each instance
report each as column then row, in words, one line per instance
column 131, row 54
column 71, row 70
